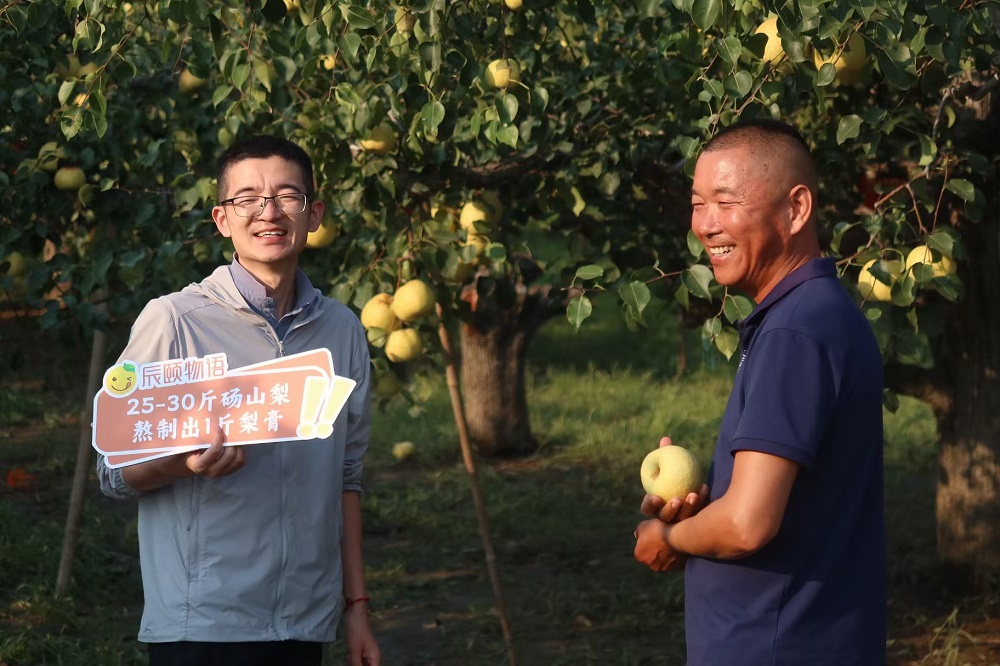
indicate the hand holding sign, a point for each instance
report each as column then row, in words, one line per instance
column 169, row 407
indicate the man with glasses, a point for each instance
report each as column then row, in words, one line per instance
column 252, row 557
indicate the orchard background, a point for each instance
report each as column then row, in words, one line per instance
column 577, row 167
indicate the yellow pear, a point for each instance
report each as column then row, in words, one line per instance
column 670, row 471
column 325, row 235
column 922, row 254
column 413, row 300
column 404, row 345
column 188, row 82
column 377, row 313
column 873, row 289
column 501, row 73
column 70, row 68
column 773, row 51
column 70, row 178
column 381, row 140
column 18, row 264
column 481, row 213
column 514, row 5
column 851, row 62
column 477, row 241
column 404, row 19
column 403, row 450
column 86, row 69
column 388, row 385
column 493, row 205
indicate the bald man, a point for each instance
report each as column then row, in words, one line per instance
column 783, row 550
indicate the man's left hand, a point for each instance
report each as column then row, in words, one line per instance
column 652, row 549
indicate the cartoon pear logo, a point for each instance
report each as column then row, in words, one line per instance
column 120, row 380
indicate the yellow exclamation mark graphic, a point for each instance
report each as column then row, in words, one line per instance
column 335, row 399
column 312, row 399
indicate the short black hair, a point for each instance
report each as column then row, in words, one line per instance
column 757, row 130
column 261, row 147
column 765, row 136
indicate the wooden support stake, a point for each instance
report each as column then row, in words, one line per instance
column 454, row 390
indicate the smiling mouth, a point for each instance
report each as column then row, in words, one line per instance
column 721, row 251
column 276, row 233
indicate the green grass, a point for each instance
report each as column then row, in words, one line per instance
column 561, row 521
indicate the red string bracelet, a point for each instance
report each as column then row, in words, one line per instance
column 348, row 602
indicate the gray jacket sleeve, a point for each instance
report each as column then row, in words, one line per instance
column 358, row 411
column 153, row 338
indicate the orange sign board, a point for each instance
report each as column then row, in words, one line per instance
column 167, row 407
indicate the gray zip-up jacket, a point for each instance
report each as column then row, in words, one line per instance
column 253, row 556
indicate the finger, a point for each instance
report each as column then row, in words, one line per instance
column 669, row 511
column 232, row 459
column 199, row 462
column 689, row 507
column 666, row 441
column 651, row 505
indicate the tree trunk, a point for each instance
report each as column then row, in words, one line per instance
column 968, row 495
column 494, row 340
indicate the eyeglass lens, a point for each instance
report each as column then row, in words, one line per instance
column 289, row 204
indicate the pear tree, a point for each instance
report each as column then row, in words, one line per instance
column 572, row 128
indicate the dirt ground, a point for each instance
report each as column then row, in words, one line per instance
column 438, row 613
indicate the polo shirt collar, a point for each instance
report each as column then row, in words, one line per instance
column 815, row 268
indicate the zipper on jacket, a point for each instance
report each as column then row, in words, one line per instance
column 279, row 592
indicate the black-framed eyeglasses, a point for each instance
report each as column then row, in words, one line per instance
column 289, row 204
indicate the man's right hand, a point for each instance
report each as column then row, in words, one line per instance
column 217, row 460
column 214, row 462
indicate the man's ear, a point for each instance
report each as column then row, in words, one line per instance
column 221, row 221
column 316, row 209
column 800, row 202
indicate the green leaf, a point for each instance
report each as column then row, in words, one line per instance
column 65, row 90
column 943, row 242
column 714, row 88
column 949, row 286
column 636, row 297
column 507, row 108
column 962, row 188
column 589, row 272
column 913, row 348
column 727, row 342
column 539, row 100
column 849, row 128
column 697, row 279
column 694, row 245
column 928, row 150
column 433, row 114
column 263, row 74
column 221, row 93
column 507, row 134
column 705, row 13
column 737, row 308
column 729, row 49
column 826, row 74
column 739, row 84
column 578, row 203
column 683, row 296
column 578, row 310
column 359, row 17
column 240, row 75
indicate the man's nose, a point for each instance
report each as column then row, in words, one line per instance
column 704, row 223
column 269, row 210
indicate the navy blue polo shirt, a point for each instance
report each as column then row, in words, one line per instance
column 809, row 389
